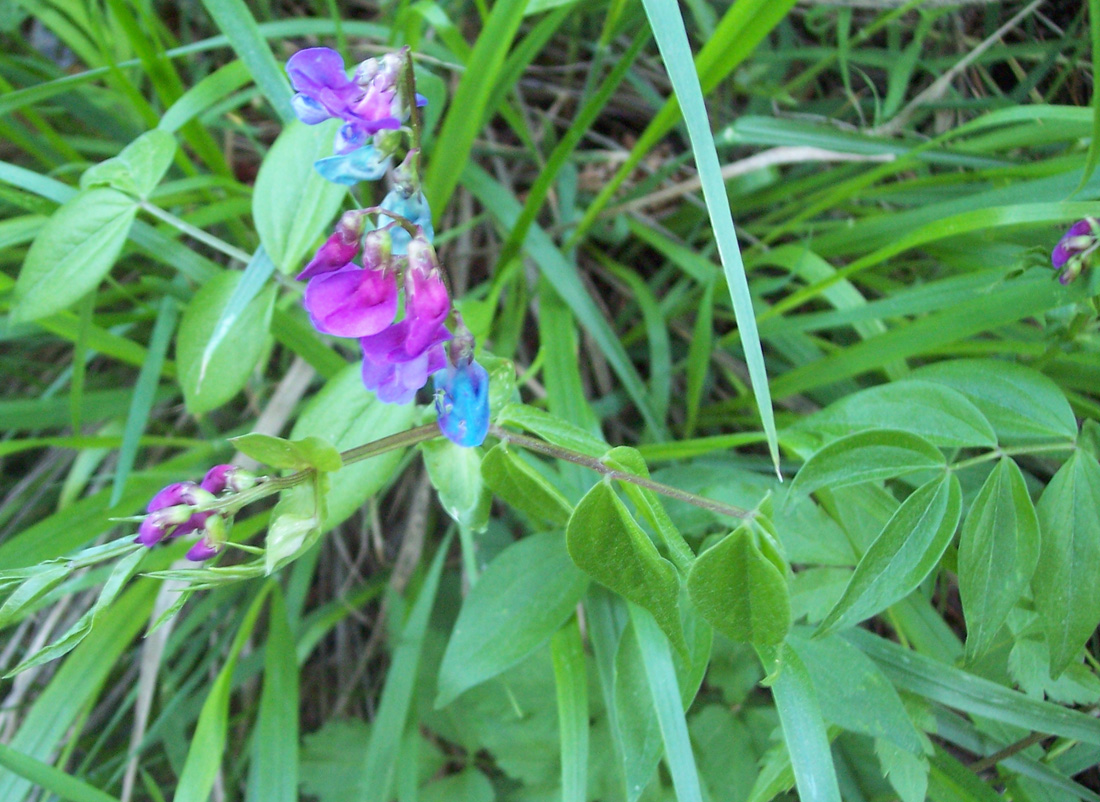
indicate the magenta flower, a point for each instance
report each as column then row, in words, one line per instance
column 221, row 478
column 393, row 370
column 337, row 251
column 427, row 303
column 213, row 540
column 171, row 513
column 352, row 301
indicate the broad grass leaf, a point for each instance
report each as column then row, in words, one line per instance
column 522, row 598
column 73, row 251
column 907, row 773
column 607, row 544
column 48, row 778
column 741, row 592
column 455, row 473
column 520, row 486
column 1067, row 594
column 1020, row 403
column 804, row 731
column 291, row 203
column 853, row 692
column 273, row 769
column 866, row 457
column 232, row 362
column 906, row 551
column 138, row 168
column 346, row 415
column 571, row 687
column 937, row 413
column 998, row 551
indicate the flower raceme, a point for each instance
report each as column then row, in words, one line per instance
column 174, row 511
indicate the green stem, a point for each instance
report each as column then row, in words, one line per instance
column 997, row 453
column 195, row 232
column 410, row 98
column 594, row 464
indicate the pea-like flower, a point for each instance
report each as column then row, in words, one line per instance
column 325, row 91
column 338, row 250
column 413, row 206
column 1074, row 249
column 462, row 395
column 171, row 513
column 353, row 301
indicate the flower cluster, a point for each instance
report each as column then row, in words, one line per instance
column 178, row 510
column 1071, row 254
column 362, row 300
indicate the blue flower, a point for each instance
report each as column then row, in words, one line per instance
column 412, row 206
column 362, row 164
column 462, row 401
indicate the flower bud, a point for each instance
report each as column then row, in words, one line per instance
column 377, row 249
column 462, row 403
column 338, row 250
column 221, row 478
column 1074, row 249
column 213, row 540
column 407, row 174
column 413, row 208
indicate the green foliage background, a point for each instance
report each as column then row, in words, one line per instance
column 910, row 614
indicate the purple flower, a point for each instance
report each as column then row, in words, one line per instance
column 202, row 550
column 368, row 104
column 227, row 477
column 462, row 396
column 352, row 301
column 338, row 250
column 213, row 540
column 1074, row 248
column 171, row 513
column 317, row 74
column 393, row 370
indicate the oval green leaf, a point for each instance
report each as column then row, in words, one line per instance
column 521, row 486
column 906, row 551
column 455, row 473
column 740, row 591
column 607, row 544
column 1021, row 404
column 72, row 253
column 291, row 203
column 227, row 369
column 1067, row 594
column 866, row 457
column 939, row 414
column 521, row 599
column 998, row 551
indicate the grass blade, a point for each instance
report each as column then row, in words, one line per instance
column 235, row 20
column 804, row 731
column 571, row 682
column 657, row 659
column 668, row 28
column 141, row 403
column 48, row 778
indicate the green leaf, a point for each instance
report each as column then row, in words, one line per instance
column 273, row 770
column 238, row 25
column 571, row 686
column 998, row 551
column 904, row 553
column 1067, row 594
column 227, row 369
column 907, row 773
column 138, row 168
column 853, row 693
column 804, row 731
column 72, row 253
column 1021, row 404
column 346, row 415
column 668, row 30
column 739, row 591
column 552, row 429
column 251, row 284
column 205, row 755
column 296, row 523
column 607, row 544
column 44, row 579
column 668, row 705
column 522, row 598
column 47, row 778
column 291, row 203
column 944, row 684
column 937, row 413
column 866, row 457
column 455, row 473
column 397, row 695
column 295, row 455
column 522, row 487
